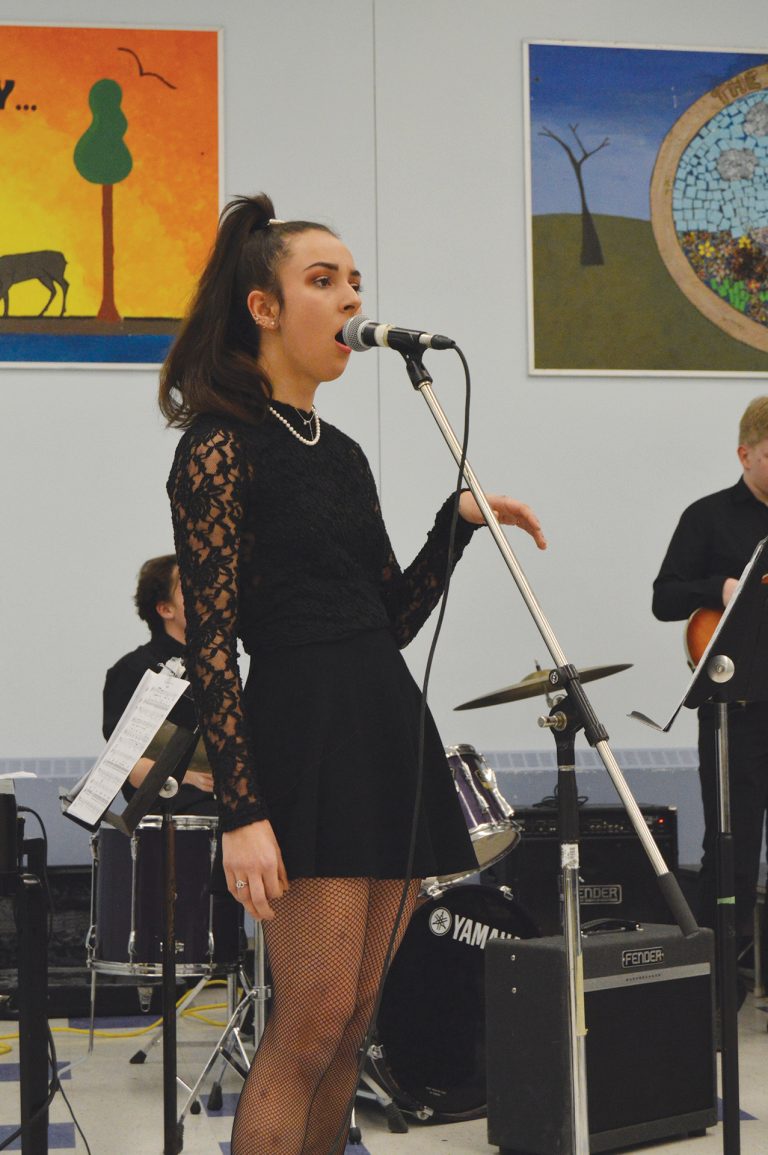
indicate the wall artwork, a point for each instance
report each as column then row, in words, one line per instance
column 647, row 210
column 111, row 189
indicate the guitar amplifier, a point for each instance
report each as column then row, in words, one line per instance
column 650, row 1053
column 617, row 880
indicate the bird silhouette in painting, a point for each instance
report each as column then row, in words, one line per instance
column 142, row 70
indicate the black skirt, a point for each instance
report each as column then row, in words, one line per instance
column 334, row 728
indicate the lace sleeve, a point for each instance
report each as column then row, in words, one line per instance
column 410, row 595
column 207, row 489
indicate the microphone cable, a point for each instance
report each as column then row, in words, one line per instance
column 408, row 877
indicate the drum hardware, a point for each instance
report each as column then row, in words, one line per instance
column 230, row 1047
column 369, row 1088
column 184, row 1004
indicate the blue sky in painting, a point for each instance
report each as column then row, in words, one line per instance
column 633, row 96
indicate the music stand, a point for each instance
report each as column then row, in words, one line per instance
column 733, row 668
column 160, row 785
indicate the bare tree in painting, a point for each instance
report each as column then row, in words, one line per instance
column 591, row 252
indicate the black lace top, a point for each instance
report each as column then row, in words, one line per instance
column 283, row 544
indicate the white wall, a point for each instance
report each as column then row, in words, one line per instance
column 401, row 123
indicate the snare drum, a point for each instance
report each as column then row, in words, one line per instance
column 486, row 812
column 127, row 901
column 430, row 1030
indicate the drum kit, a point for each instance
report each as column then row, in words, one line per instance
column 428, row 1054
column 428, row 1058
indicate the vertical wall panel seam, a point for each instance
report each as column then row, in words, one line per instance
column 380, row 467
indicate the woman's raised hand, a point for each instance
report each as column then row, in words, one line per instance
column 508, row 511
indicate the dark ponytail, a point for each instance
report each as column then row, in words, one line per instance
column 212, row 366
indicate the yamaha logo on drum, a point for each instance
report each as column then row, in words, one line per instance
column 442, row 922
column 642, row 957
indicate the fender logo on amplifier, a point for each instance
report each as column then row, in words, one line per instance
column 599, row 893
column 646, row 956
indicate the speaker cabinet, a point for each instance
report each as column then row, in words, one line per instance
column 617, row 880
column 650, row 1052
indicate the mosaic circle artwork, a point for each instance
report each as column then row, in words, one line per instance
column 709, row 205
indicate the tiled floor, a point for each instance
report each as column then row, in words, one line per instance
column 119, row 1105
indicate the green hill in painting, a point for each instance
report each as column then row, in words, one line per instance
column 626, row 315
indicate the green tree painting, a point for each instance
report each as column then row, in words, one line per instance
column 102, row 157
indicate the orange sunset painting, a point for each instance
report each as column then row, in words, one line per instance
column 110, row 191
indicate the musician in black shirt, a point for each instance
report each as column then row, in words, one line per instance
column 159, row 603
column 714, row 540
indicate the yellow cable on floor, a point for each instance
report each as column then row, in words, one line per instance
column 191, row 1013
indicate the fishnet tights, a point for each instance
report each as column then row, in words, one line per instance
column 326, row 948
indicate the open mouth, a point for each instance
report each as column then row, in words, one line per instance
column 339, row 339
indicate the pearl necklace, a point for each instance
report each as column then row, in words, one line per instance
column 304, row 440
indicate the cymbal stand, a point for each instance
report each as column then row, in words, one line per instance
column 564, row 722
column 566, row 677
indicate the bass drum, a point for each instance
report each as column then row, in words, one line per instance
column 430, row 1030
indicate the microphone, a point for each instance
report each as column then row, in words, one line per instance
column 360, row 333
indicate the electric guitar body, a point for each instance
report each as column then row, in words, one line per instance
column 699, row 628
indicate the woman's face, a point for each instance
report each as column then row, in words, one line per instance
column 321, row 290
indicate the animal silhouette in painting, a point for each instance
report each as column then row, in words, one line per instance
column 46, row 266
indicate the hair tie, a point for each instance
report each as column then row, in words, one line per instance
column 274, row 221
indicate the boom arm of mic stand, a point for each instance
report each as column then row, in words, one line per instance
column 566, row 674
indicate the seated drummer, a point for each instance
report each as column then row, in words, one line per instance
column 159, row 603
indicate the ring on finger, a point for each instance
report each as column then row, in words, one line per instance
column 239, row 884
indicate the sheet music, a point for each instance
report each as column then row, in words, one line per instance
column 151, row 703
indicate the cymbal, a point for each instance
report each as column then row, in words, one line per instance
column 199, row 759
column 538, row 683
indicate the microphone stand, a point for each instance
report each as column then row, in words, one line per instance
column 566, row 677
column 565, row 723
column 725, row 925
